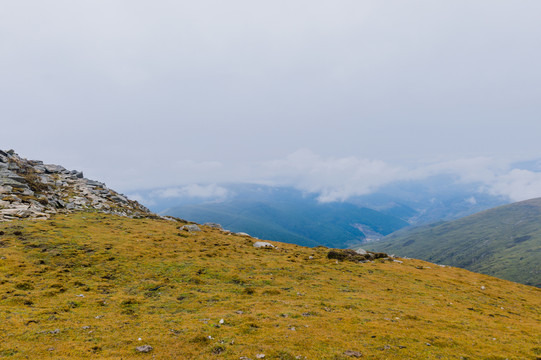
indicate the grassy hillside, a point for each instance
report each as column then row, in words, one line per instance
column 301, row 221
column 95, row 286
column 504, row 242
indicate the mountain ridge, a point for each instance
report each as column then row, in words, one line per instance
column 504, row 241
column 32, row 189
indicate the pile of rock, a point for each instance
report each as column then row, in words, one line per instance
column 355, row 255
column 31, row 189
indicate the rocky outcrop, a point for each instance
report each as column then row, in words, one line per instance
column 352, row 255
column 32, row 189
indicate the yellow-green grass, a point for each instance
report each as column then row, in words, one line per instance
column 89, row 286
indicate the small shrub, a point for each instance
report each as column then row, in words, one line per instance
column 200, row 339
column 24, row 286
column 129, row 302
column 283, row 355
column 238, row 281
column 217, row 350
column 128, row 312
column 73, row 304
column 248, row 291
column 271, row 292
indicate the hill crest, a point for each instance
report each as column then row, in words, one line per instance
column 32, row 189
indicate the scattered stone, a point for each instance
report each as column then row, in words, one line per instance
column 483, row 288
column 260, row 356
column 263, row 244
column 213, row 225
column 144, row 348
column 190, row 228
column 353, row 353
column 54, row 332
column 243, row 234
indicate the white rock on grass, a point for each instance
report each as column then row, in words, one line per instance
column 144, row 348
column 263, row 244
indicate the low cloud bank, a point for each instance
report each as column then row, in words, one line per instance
column 339, row 178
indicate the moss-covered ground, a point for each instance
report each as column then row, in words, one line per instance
column 95, row 286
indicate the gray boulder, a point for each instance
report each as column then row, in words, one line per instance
column 53, row 169
column 352, row 353
column 190, row 228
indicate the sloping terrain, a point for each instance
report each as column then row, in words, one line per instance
column 504, row 242
column 99, row 286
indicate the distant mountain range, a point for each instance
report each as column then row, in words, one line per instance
column 290, row 215
column 504, row 242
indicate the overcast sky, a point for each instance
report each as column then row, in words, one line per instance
column 317, row 94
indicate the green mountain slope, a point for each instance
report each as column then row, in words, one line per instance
column 504, row 242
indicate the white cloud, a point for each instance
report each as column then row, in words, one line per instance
column 333, row 178
column 476, row 169
column 517, row 184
